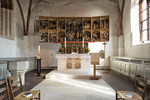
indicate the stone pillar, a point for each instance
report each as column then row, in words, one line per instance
column 12, row 23
column 7, row 23
column 3, row 20
column 121, row 46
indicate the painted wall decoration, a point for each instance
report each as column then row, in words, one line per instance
column 61, row 23
column 87, row 35
column 96, row 23
column 96, row 35
column 86, row 23
column 43, row 36
column 104, row 26
column 61, row 35
column 74, row 29
column 52, row 23
column 44, row 24
column 52, row 36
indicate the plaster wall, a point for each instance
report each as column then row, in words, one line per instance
column 0, row 19
column 23, row 46
column 20, row 46
column 138, row 50
column 76, row 8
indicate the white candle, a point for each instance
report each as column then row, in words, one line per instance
column 83, row 42
column 38, row 52
column 39, row 48
column 65, row 42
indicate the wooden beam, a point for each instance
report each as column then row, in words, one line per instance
column 23, row 21
column 28, row 16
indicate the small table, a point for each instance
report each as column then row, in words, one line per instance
column 34, row 95
column 81, row 60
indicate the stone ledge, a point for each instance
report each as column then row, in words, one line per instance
column 16, row 59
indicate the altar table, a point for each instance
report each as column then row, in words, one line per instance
column 77, row 62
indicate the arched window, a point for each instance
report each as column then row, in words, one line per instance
column 6, row 19
column 144, row 8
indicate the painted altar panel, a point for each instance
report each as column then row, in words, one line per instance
column 61, row 35
column 74, row 29
column 43, row 36
column 96, row 35
column 104, row 27
column 74, row 47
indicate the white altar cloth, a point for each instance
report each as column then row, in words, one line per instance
column 62, row 61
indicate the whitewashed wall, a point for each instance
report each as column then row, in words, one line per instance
column 131, row 50
column 76, row 8
column 27, row 45
column 20, row 46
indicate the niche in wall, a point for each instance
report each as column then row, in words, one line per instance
column 6, row 19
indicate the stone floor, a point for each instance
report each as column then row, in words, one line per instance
column 120, row 82
column 74, row 85
column 32, row 79
column 75, row 89
column 115, row 80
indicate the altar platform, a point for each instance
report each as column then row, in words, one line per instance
column 71, row 74
column 73, row 66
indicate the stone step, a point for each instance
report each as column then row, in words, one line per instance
column 72, row 74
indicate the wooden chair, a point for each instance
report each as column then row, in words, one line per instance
column 139, row 86
column 16, row 85
column 4, row 90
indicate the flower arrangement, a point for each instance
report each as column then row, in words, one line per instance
column 61, row 50
column 102, row 53
column 86, row 50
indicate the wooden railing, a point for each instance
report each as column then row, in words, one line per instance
column 129, row 66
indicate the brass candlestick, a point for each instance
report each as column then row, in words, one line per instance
column 105, row 68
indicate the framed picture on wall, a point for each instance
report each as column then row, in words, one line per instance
column 36, row 26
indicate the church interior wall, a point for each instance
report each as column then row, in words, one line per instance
column 140, row 50
column 25, row 46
